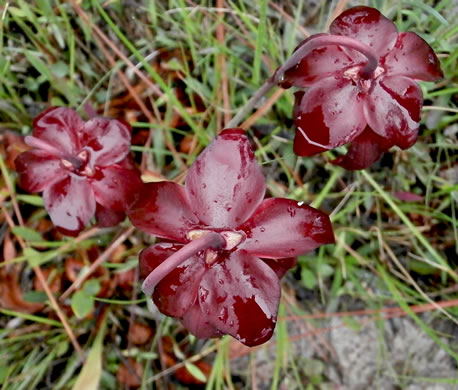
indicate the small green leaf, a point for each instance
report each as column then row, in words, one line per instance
column 196, row 372
column 27, row 233
column 82, row 304
column 35, row 296
column 308, row 278
column 34, row 200
column 92, row 287
column 33, row 257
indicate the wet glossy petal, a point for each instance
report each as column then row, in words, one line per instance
column 154, row 255
column 108, row 140
column 106, row 217
column 59, row 126
column 393, row 109
column 368, row 26
column 70, row 204
column 114, row 187
column 364, row 150
column 162, row 209
column 281, row 266
column 329, row 114
column 320, row 63
column 38, row 170
column 177, row 292
column 198, row 324
column 282, row 228
column 414, row 58
column 225, row 184
column 240, row 297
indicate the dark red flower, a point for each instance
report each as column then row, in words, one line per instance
column 368, row 99
column 230, row 284
column 83, row 168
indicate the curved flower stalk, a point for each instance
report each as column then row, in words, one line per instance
column 228, row 248
column 82, row 168
column 361, row 90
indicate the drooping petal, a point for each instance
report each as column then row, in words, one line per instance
column 154, row 255
column 329, row 114
column 162, row 209
column 38, row 170
column 198, row 324
column 392, row 109
column 412, row 57
column 368, row 26
column 364, row 150
column 108, row 140
column 107, row 217
column 281, row 266
column 240, row 297
column 225, row 184
column 59, row 126
column 70, row 203
column 114, row 187
column 282, row 228
column 177, row 292
column 320, row 63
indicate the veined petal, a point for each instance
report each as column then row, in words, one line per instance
column 225, row 184
column 367, row 25
column 154, row 255
column 198, row 324
column 162, row 209
column 70, row 203
column 412, row 57
column 281, row 266
column 320, row 63
column 59, row 126
column 177, row 292
column 114, row 187
column 240, row 297
column 392, row 109
column 364, row 150
column 38, row 170
column 108, row 140
column 282, row 228
column 329, row 114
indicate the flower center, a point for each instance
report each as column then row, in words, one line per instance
column 232, row 240
column 364, row 84
column 78, row 164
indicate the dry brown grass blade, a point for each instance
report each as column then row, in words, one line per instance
column 98, row 262
column 41, row 278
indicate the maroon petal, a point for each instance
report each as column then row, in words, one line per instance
column 364, row 150
column 282, row 228
column 70, row 204
column 329, row 114
column 114, row 187
column 107, row 139
column 225, row 184
column 414, row 58
column 319, row 64
column 240, row 297
column 154, row 255
column 392, row 109
column 198, row 324
column 368, row 26
column 281, row 266
column 59, row 126
column 177, row 292
column 38, row 170
column 162, row 209
column 106, row 217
